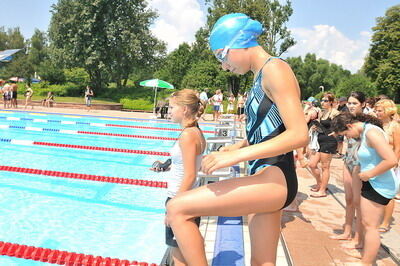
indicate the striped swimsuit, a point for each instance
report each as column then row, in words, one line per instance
column 263, row 123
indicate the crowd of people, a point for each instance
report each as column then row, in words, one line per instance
column 371, row 175
column 365, row 130
column 234, row 105
column 10, row 94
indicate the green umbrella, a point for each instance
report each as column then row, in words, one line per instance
column 156, row 83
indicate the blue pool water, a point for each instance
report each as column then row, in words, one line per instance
column 102, row 219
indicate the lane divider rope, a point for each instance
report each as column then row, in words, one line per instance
column 62, row 257
column 102, row 117
column 66, row 122
column 84, row 132
column 97, row 178
column 157, row 128
column 72, row 146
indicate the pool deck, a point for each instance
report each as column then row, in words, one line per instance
column 305, row 230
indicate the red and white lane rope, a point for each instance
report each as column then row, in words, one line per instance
column 62, row 257
column 96, row 178
column 66, row 131
column 91, row 124
column 72, row 146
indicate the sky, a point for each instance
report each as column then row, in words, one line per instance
column 336, row 30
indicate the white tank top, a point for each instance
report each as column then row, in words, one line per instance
column 177, row 172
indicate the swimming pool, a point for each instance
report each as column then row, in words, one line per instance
column 47, row 200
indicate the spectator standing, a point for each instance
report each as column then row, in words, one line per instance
column 88, row 97
column 28, row 96
column 231, row 104
column 216, row 101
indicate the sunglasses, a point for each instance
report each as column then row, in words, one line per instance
column 324, row 101
column 222, row 56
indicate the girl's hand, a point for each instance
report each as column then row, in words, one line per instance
column 364, row 176
column 166, row 220
column 218, row 160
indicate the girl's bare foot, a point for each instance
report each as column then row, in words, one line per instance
column 354, row 253
column 341, row 237
column 352, row 245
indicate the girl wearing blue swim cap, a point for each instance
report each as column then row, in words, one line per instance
column 275, row 127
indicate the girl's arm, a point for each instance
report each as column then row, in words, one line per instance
column 396, row 140
column 285, row 92
column 376, row 140
column 188, row 144
column 236, row 146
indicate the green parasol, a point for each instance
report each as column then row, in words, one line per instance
column 156, row 83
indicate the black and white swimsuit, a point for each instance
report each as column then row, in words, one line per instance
column 263, row 123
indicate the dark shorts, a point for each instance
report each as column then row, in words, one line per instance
column 368, row 192
column 88, row 101
column 14, row 95
column 327, row 144
column 169, row 234
column 340, row 138
column 216, row 107
column 240, row 110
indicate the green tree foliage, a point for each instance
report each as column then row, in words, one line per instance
column 355, row 82
column 20, row 66
column 312, row 73
column 205, row 74
column 382, row 64
column 37, row 51
column 106, row 38
column 51, row 72
column 176, row 65
column 11, row 39
column 273, row 15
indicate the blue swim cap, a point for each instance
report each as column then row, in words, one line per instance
column 235, row 31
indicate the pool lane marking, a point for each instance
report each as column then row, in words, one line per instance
column 67, row 131
column 71, row 146
column 95, row 178
column 36, row 120
column 104, row 117
column 60, row 257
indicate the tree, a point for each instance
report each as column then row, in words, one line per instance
column 382, row 64
column 106, row 38
column 312, row 73
column 14, row 39
column 273, row 15
column 37, row 51
column 205, row 74
column 176, row 65
column 20, row 66
column 355, row 82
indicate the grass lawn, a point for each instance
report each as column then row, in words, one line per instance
column 74, row 100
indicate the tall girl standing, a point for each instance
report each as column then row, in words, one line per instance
column 275, row 127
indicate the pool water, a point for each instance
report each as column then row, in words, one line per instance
column 97, row 218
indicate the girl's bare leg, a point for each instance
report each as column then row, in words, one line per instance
column 348, row 191
column 313, row 165
column 232, row 197
column 372, row 214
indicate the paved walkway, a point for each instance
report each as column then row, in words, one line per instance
column 307, row 230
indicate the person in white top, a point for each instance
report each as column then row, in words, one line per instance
column 185, row 108
column 204, row 100
column 216, row 101
column 231, row 104
column 28, row 96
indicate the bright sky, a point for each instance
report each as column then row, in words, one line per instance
column 336, row 30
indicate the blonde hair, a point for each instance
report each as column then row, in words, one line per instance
column 388, row 106
column 188, row 98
